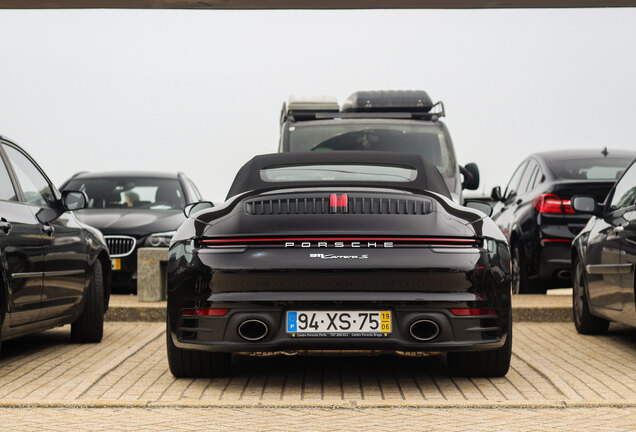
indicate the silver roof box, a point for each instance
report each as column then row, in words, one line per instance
column 313, row 103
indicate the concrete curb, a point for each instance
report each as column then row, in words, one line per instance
column 541, row 313
column 322, row 404
column 131, row 313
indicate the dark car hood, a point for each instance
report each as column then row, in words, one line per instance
column 135, row 222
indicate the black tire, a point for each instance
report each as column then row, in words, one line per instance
column 584, row 321
column 89, row 327
column 493, row 363
column 196, row 364
column 520, row 282
column 518, row 271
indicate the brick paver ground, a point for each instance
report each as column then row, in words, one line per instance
column 319, row 419
column 558, row 379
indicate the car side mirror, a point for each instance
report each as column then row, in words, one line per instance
column 584, row 204
column 74, row 200
column 482, row 206
column 495, row 194
column 197, row 206
column 470, row 172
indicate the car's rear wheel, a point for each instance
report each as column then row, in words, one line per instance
column 89, row 327
column 519, row 277
column 521, row 284
column 494, row 363
column 584, row 321
column 196, row 364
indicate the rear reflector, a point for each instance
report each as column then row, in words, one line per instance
column 552, row 204
column 555, row 240
column 473, row 312
column 203, row 312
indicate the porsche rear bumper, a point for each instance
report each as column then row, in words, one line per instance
column 221, row 333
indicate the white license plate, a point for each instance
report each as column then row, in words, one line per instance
column 338, row 323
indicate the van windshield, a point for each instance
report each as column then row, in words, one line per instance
column 373, row 135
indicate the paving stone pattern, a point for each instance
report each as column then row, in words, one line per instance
column 319, row 419
column 552, row 366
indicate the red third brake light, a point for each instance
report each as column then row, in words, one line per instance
column 338, row 203
column 552, row 204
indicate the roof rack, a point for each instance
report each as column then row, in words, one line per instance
column 394, row 104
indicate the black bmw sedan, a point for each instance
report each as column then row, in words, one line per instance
column 339, row 251
column 54, row 270
column 604, row 258
column 535, row 213
column 133, row 210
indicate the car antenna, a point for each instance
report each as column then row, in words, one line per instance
column 604, row 152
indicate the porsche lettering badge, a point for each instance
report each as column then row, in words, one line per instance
column 340, row 244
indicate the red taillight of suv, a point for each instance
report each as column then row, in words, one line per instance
column 552, row 204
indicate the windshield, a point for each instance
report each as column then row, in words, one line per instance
column 130, row 192
column 590, row 168
column 338, row 173
column 402, row 137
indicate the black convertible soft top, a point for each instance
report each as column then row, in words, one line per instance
column 428, row 176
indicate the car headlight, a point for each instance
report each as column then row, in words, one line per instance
column 161, row 239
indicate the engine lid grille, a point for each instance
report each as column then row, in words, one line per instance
column 357, row 205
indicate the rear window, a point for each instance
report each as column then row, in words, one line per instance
column 302, row 173
column 589, row 168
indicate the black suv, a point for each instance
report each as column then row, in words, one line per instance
column 395, row 121
column 535, row 213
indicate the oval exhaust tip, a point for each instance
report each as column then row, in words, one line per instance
column 424, row 330
column 252, row 330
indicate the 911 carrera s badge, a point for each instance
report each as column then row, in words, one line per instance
column 334, row 256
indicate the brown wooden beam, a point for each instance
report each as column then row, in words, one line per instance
column 310, row 4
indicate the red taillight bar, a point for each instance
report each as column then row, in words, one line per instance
column 203, row 312
column 552, row 204
column 431, row 240
column 473, row 312
column 555, row 240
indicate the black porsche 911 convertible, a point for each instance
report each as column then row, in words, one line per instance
column 338, row 251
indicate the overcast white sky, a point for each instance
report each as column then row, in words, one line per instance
column 201, row 91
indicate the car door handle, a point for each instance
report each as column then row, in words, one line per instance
column 5, row 226
column 619, row 229
column 48, row 229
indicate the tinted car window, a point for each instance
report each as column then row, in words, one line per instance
column 528, row 175
column 589, row 168
column 7, row 192
column 513, row 184
column 538, row 175
column 426, row 140
column 625, row 192
column 130, row 192
column 34, row 185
